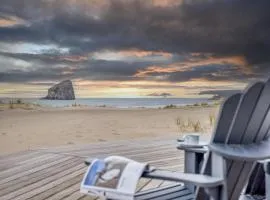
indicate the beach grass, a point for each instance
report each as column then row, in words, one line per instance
column 171, row 106
column 189, row 125
column 212, row 119
column 196, row 105
column 17, row 104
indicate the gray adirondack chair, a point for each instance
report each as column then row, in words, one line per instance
column 255, row 188
column 239, row 142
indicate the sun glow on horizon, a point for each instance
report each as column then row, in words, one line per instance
column 115, row 89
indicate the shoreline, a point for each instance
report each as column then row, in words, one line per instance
column 35, row 106
column 119, row 103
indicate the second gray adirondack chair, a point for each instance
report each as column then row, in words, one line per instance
column 239, row 142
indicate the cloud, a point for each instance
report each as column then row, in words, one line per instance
column 71, row 68
column 233, row 27
column 164, row 94
column 8, row 21
column 224, row 40
column 192, row 62
column 219, row 94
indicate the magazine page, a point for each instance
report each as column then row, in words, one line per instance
column 130, row 177
column 114, row 177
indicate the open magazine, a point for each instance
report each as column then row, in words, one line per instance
column 114, row 177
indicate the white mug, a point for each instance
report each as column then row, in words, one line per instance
column 192, row 139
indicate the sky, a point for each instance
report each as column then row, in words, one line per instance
column 133, row 48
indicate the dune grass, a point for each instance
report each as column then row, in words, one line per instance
column 171, row 106
column 195, row 105
column 212, row 119
column 194, row 126
column 17, row 104
column 189, row 125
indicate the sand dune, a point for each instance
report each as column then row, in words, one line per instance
column 31, row 129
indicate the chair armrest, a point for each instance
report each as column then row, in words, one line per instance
column 202, row 150
column 247, row 152
column 195, row 179
column 200, row 147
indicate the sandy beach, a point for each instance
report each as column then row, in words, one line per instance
column 32, row 129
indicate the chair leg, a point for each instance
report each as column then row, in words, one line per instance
column 193, row 161
column 267, row 179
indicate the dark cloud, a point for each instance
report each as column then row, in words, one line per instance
column 53, row 65
column 207, row 72
column 88, row 70
column 221, row 28
column 212, row 72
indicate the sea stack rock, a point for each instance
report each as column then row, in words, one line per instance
column 61, row 91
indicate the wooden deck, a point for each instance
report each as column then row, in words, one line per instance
column 56, row 173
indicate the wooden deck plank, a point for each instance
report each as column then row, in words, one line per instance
column 154, row 155
column 55, row 183
column 58, row 188
column 24, row 155
column 129, row 150
column 88, row 198
column 124, row 144
column 152, row 184
column 168, row 183
column 6, row 164
column 175, row 167
column 120, row 148
column 34, row 178
column 29, row 190
column 56, row 173
column 35, row 170
column 76, row 196
column 110, row 144
column 33, row 159
column 126, row 150
column 35, row 162
column 65, row 193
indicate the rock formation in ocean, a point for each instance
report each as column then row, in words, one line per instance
column 61, row 91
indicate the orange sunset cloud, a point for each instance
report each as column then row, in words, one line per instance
column 183, row 66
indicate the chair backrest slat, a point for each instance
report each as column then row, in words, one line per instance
column 238, row 127
column 245, row 110
column 259, row 119
column 226, row 114
column 253, row 116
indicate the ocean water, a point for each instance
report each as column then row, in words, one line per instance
column 119, row 102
